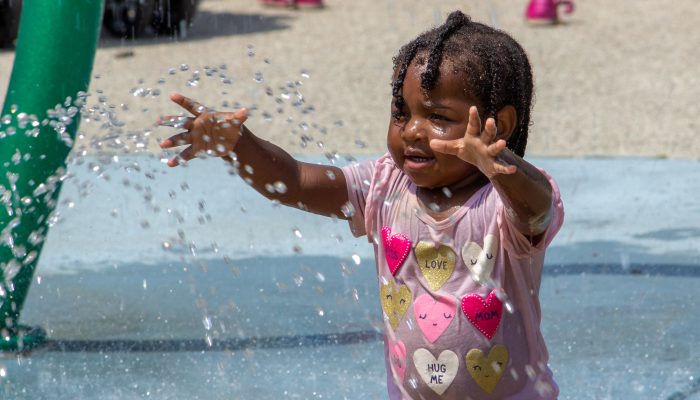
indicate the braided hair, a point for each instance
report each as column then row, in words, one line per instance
column 495, row 66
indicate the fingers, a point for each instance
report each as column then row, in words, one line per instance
column 496, row 148
column 179, row 139
column 447, row 146
column 184, row 156
column 474, row 125
column 188, row 104
column 505, row 169
column 176, row 121
column 490, row 132
column 240, row 115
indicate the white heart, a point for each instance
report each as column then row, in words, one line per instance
column 481, row 261
column 437, row 374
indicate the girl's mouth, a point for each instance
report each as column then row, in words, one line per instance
column 418, row 162
column 419, row 159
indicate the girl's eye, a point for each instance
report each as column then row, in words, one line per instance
column 489, row 256
column 438, row 117
column 477, row 368
column 422, row 316
column 447, row 316
column 473, row 261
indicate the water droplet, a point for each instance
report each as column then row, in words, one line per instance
column 348, row 209
column 184, row 67
column 206, row 321
column 320, row 277
column 280, row 187
column 530, row 371
column 166, row 245
column 145, row 285
column 320, row 311
column 258, row 77
column 297, row 232
column 298, row 279
column 356, row 259
column 447, row 192
column 360, row 144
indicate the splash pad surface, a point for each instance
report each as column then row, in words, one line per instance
column 138, row 312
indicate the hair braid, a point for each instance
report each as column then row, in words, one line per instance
column 432, row 69
column 403, row 60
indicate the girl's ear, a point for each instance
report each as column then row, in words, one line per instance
column 507, row 119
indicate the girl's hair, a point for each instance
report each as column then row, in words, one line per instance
column 495, row 67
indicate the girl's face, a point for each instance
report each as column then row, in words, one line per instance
column 443, row 113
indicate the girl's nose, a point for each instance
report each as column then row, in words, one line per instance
column 413, row 130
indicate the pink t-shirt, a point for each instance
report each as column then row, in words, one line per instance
column 460, row 296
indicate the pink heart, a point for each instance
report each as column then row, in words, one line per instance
column 397, row 354
column 396, row 248
column 485, row 315
column 434, row 315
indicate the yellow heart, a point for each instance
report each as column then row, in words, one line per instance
column 395, row 302
column 437, row 264
column 487, row 371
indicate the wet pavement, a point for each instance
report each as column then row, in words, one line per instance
column 171, row 284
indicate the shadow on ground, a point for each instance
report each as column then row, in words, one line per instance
column 208, row 25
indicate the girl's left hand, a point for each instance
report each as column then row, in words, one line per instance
column 477, row 147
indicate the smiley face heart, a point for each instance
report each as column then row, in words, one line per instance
column 434, row 315
column 480, row 261
column 394, row 302
column 485, row 315
column 438, row 373
column 397, row 356
column 487, row 371
column 396, row 249
column 436, row 263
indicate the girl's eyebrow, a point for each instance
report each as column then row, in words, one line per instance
column 433, row 104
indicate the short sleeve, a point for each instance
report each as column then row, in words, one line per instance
column 518, row 244
column 358, row 177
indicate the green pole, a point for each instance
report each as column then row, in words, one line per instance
column 53, row 61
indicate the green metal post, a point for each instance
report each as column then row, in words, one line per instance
column 53, row 62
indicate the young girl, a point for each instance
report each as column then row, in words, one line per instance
column 459, row 221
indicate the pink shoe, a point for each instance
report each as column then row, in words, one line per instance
column 546, row 10
column 309, row 3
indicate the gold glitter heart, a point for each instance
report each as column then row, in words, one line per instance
column 487, row 371
column 437, row 264
column 395, row 302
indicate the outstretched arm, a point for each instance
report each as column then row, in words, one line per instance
column 315, row 188
column 525, row 190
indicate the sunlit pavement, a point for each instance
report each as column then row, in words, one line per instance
column 185, row 284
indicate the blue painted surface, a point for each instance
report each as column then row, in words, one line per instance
column 239, row 306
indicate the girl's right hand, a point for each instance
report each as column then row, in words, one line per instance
column 210, row 132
